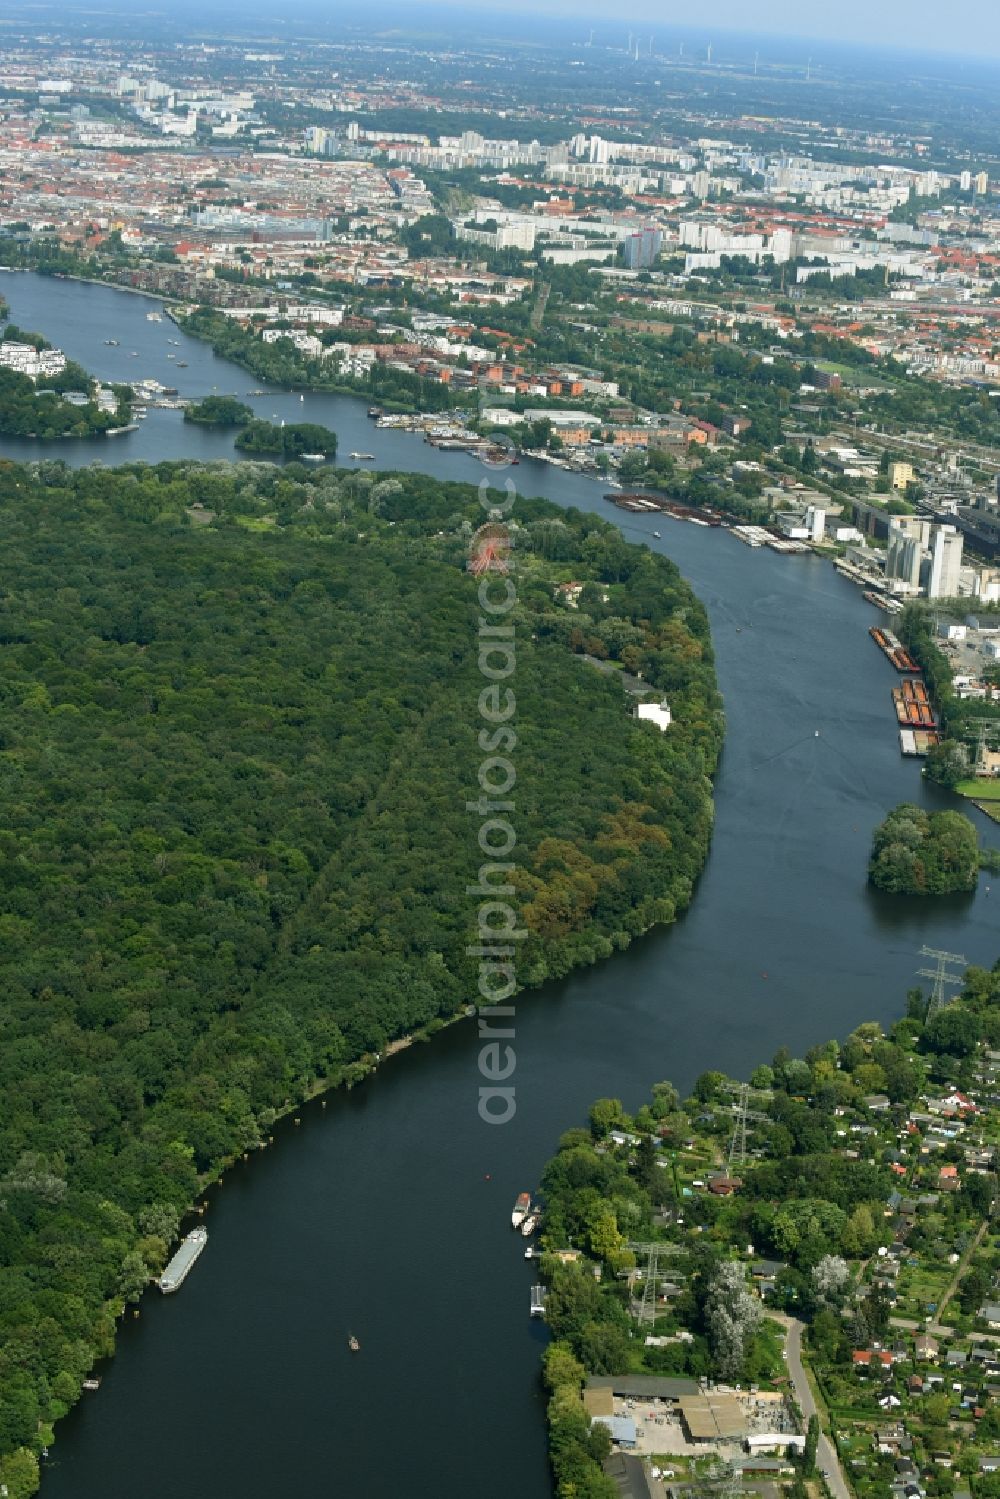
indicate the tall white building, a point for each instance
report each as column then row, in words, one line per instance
column 909, row 539
column 815, row 522
column 946, row 563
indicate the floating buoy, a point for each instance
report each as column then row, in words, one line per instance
column 487, row 1177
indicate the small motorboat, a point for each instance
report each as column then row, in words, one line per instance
column 657, row 535
column 353, row 1344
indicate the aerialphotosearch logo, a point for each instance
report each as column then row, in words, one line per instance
column 497, row 930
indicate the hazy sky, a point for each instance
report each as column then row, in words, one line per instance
column 971, row 27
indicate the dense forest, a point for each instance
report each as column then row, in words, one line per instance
column 920, row 853
column 239, row 730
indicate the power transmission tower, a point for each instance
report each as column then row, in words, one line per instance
column 738, row 1143
column 984, row 734
column 741, row 1113
column 939, row 973
column 652, row 1253
column 727, row 1479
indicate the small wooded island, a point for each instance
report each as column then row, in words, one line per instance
column 219, row 411
column 293, row 441
column 919, row 853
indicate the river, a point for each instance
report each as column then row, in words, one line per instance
column 387, row 1212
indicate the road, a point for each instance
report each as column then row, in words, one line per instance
column 827, row 1457
column 963, row 1265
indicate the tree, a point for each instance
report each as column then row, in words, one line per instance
column 605, row 1115
column 809, row 1450
column 562, row 1367
column 952, row 1031
column 859, row 1236
column 732, row 1316
column 708, row 1086
column 666, row 1099
column 19, row 1474
column 947, row 763
column 831, row 1277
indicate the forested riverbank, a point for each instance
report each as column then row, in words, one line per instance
column 239, row 735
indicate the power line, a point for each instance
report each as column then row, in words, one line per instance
column 940, row 975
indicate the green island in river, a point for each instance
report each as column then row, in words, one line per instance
column 842, row 1204
column 239, row 735
column 919, row 853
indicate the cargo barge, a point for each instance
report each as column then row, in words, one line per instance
column 182, row 1263
column 913, row 707
column 637, row 502
column 917, row 742
column 893, row 648
column 882, row 601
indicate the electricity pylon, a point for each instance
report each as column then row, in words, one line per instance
column 939, row 973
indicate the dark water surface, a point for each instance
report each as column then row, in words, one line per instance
column 376, row 1215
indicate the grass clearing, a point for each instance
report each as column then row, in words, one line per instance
column 980, row 789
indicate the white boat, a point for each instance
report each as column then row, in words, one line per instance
column 529, row 1225
column 522, row 1208
column 529, row 1253
column 657, row 535
column 313, row 457
column 364, row 457
column 154, row 317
